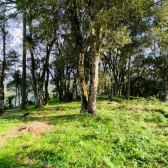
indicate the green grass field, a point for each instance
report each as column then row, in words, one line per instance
column 122, row 134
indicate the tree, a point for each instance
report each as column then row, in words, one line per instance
column 16, row 84
column 3, row 60
column 41, row 36
column 24, row 93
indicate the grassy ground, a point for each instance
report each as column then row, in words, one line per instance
column 122, row 134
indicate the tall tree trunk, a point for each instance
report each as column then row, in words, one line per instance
column 128, row 89
column 81, row 65
column 74, row 90
column 166, row 95
column 2, row 77
column 1, row 99
column 61, row 90
column 33, row 65
column 16, row 95
column 111, row 96
column 42, row 81
column 69, row 98
column 34, row 78
column 40, row 95
column 46, row 87
column 65, row 90
column 46, row 66
column 83, row 86
column 93, row 83
column 24, row 62
column 48, row 50
column 96, row 48
column 166, row 90
column 19, row 95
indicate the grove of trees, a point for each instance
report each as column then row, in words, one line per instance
column 116, row 47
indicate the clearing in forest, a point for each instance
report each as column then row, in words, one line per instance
column 122, row 134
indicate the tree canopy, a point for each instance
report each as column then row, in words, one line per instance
column 71, row 41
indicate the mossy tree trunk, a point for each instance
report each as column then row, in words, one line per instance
column 96, row 47
column 96, row 34
column 83, row 86
column 81, row 64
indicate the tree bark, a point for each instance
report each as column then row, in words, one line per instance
column 80, row 49
column 111, row 96
column 34, row 78
column 24, row 62
column 33, row 65
column 46, row 87
column 74, row 90
column 166, row 95
column 45, row 68
column 16, row 96
column 96, row 32
column 61, row 90
column 19, row 95
column 166, row 90
column 83, row 86
column 1, row 98
column 2, row 77
column 42, row 80
column 93, row 83
column 128, row 89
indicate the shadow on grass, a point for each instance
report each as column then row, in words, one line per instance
column 34, row 159
column 53, row 119
column 90, row 137
column 102, row 98
column 118, row 99
column 157, row 110
column 57, row 102
column 63, row 118
column 11, row 117
column 44, row 112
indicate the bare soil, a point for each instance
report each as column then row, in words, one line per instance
column 113, row 104
column 138, row 107
column 34, row 127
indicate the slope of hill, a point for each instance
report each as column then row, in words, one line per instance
column 122, row 134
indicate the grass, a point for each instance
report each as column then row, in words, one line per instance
column 122, row 134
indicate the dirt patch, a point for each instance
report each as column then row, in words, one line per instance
column 133, row 108
column 137, row 107
column 113, row 104
column 34, row 127
column 141, row 106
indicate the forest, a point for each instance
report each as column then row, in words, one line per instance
column 107, row 61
